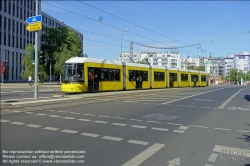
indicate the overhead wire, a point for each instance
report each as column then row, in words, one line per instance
column 131, row 22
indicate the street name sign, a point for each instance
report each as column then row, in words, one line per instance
column 37, row 26
column 34, row 19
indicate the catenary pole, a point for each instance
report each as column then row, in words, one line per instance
column 36, row 57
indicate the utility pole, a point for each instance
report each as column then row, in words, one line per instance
column 36, row 56
column 131, row 51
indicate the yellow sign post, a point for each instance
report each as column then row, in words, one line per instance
column 37, row 26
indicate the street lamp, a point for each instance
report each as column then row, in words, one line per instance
column 126, row 30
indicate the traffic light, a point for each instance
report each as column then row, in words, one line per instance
column 41, row 57
column 32, row 56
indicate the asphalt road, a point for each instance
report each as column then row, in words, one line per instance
column 188, row 127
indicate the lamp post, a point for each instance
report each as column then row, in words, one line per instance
column 126, row 30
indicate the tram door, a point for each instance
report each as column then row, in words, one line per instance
column 172, row 78
column 138, row 79
column 93, row 85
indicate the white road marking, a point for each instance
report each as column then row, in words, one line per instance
column 29, row 112
column 68, row 117
column 126, row 101
column 161, row 129
column 34, row 126
column 69, row 131
column 213, row 157
column 136, row 119
column 137, row 142
column 180, row 105
column 225, row 149
column 205, row 107
column 37, row 108
column 190, row 96
column 119, row 118
column 75, row 113
column 90, row 134
column 119, row 124
column 51, row 128
column 86, row 120
column 17, row 111
column 175, row 124
column 54, row 116
column 4, row 121
column 41, row 114
column 5, row 110
column 179, row 131
column 243, row 131
column 97, row 121
column 228, row 100
column 153, row 122
column 222, row 129
column 63, row 111
column 103, row 116
column 208, row 165
column 183, row 128
column 146, row 103
column 112, row 138
column 198, row 126
column 192, row 106
column 50, row 110
column 89, row 114
column 17, row 123
column 141, row 127
column 140, row 158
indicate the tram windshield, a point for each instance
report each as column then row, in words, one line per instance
column 73, row 72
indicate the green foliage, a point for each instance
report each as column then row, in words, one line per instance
column 200, row 68
column 29, row 67
column 60, row 44
column 142, row 62
column 235, row 75
column 191, row 67
column 222, row 77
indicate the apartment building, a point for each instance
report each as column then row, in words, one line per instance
column 14, row 36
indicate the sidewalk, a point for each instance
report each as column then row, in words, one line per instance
column 25, row 84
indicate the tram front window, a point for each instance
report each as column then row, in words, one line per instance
column 73, row 72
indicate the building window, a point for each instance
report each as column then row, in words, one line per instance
column 13, row 41
column 4, row 23
column 20, row 43
column 24, row 30
column 13, row 26
column 21, row 28
column 9, row 22
column 1, row 20
column 17, row 27
column 28, row 14
column 17, row 11
column 21, row 13
column 24, row 13
column 9, row 8
column 28, row 4
column 13, row 10
column 4, row 5
column 9, row 40
column 4, row 39
column 0, row 5
column 23, row 43
column 16, row 42
column 0, row 38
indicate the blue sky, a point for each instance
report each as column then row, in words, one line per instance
column 222, row 26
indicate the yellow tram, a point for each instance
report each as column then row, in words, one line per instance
column 93, row 75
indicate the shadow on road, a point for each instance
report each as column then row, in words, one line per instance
column 246, row 138
column 247, row 97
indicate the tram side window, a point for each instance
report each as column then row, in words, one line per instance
column 184, row 77
column 203, row 78
column 114, row 75
column 144, row 75
column 159, row 76
column 104, row 74
column 194, row 76
column 173, row 76
column 131, row 75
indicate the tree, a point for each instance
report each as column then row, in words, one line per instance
column 29, row 66
column 200, row 68
column 222, row 77
column 70, row 48
column 60, row 44
column 142, row 62
column 191, row 67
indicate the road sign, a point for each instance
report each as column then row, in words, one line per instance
column 33, row 19
column 34, row 27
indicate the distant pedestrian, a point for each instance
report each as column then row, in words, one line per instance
column 30, row 81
